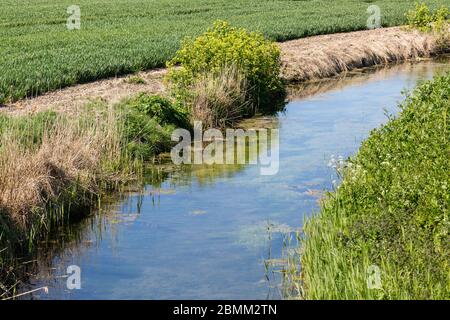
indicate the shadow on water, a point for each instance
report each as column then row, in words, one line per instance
column 224, row 231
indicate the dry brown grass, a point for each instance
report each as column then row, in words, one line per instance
column 72, row 99
column 329, row 55
column 220, row 100
column 70, row 156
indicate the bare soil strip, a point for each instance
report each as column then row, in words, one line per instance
column 305, row 59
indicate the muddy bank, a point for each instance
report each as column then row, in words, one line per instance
column 305, row 59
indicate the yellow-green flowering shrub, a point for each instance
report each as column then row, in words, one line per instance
column 420, row 17
column 224, row 46
column 423, row 19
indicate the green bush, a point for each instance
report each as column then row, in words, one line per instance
column 144, row 136
column 161, row 109
column 422, row 18
column 224, row 47
column 149, row 122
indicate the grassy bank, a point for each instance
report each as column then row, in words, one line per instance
column 54, row 168
column 391, row 211
column 39, row 54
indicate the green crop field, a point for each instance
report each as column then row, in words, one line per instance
column 38, row 53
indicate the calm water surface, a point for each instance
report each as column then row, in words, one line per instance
column 205, row 233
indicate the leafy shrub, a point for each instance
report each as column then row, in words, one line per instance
column 420, row 17
column 220, row 100
column 144, row 136
column 161, row 109
column 223, row 47
column 149, row 122
column 391, row 210
column 423, row 19
column 441, row 14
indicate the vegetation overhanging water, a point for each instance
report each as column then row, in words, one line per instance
column 217, row 232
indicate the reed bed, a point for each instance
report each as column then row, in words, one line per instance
column 39, row 53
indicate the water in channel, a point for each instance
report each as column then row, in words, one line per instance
column 207, row 232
